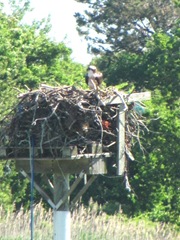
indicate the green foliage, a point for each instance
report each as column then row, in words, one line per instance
column 155, row 177
column 126, row 25
column 162, row 64
column 28, row 58
column 156, row 181
column 12, row 187
column 5, row 190
column 157, row 68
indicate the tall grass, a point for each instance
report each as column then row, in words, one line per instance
column 86, row 224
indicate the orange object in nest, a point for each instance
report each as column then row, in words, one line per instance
column 106, row 124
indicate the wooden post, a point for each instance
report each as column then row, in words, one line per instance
column 61, row 215
column 120, row 141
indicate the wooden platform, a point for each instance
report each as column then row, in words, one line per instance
column 90, row 166
column 133, row 97
column 91, row 163
column 68, row 159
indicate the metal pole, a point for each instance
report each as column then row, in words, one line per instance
column 61, row 215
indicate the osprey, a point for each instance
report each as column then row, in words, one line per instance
column 93, row 78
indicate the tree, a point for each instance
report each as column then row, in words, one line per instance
column 157, row 68
column 28, row 57
column 123, row 30
column 154, row 177
column 113, row 25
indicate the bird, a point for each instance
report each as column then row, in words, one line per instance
column 93, row 77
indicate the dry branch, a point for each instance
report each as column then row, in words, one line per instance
column 59, row 117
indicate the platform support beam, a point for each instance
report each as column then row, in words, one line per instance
column 72, row 188
column 60, row 205
column 39, row 189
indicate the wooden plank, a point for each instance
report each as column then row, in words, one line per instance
column 95, row 148
column 120, row 142
column 75, row 157
column 142, row 96
column 39, row 166
column 91, row 166
column 69, row 151
column 98, row 166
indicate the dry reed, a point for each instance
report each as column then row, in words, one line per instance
column 86, row 224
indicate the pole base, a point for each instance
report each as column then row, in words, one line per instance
column 62, row 222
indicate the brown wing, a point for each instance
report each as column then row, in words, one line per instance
column 99, row 78
column 86, row 78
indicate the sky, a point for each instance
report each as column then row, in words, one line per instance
column 63, row 24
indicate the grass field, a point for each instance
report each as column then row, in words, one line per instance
column 86, row 224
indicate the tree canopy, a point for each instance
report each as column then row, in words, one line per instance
column 139, row 44
column 28, row 57
column 113, row 25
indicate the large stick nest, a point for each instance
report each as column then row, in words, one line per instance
column 61, row 117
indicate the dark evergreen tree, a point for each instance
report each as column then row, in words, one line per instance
column 113, row 25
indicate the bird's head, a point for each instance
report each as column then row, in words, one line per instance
column 92, row 68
